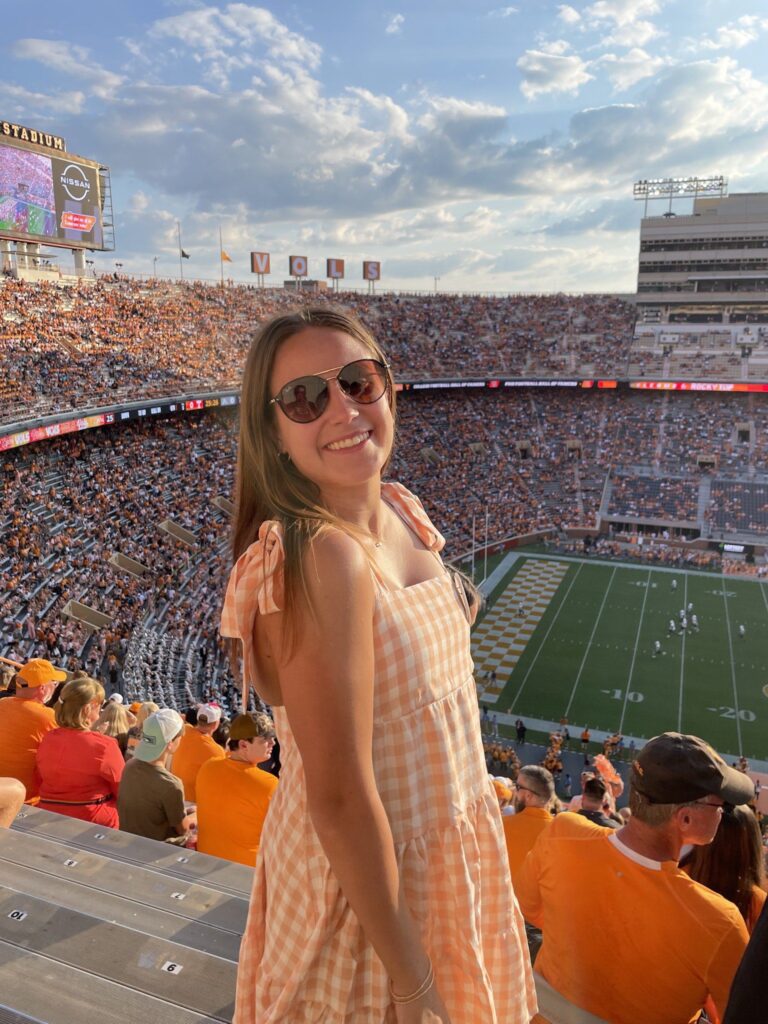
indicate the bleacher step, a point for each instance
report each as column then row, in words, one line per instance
column 224, row 876
column 134, row 960
column 158, row 905
column 97, row 926
column 49, row 992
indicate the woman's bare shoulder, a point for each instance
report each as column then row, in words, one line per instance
column 334, row 558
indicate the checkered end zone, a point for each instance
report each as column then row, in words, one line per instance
column 500, row 639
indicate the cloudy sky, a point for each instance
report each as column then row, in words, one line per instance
column 492, row 147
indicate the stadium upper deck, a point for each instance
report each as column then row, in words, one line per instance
column 63, row 349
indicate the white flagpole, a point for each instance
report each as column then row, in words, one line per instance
column 473, row 549
column 485, row 556
column 221, row 256
column 181, row 260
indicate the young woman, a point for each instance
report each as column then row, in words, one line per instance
column 381, row 892
column 732, row 864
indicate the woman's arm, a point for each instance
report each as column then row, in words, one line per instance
column 112, row 765
column 327, row 687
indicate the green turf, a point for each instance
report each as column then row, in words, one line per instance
column 590, row 657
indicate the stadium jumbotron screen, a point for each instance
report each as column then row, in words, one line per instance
column 51, row 199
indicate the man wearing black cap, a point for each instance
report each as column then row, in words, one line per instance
column 658, row 943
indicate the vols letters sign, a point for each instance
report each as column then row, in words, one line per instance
column 371, row 270
column 260, row 263
column 334, row 268
column 298, row 266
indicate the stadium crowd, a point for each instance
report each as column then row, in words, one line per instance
column 204, row 783
column 529, row 460
column 653, row 498
column 71, row 348
column 688, row 844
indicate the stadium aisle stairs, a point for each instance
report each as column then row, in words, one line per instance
column 705, row 494
column 99, row 926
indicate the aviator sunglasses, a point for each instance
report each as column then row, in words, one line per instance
column 306, row 398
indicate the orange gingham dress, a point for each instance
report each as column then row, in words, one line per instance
column 304, row 957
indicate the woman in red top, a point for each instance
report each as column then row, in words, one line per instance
column 78, row 770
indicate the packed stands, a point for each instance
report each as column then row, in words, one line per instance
column 654, row 498
column 530, row 459
column 738, row 507
column 71, row 348
column 522, row 460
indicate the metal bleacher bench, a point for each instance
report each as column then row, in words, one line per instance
column 103, row 927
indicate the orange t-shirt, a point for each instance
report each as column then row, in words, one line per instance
column 194, row 750
column 23, row 723
column 232, row 802
column 521, row 831
column 625, row 937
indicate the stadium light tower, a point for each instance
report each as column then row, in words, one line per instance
column 672, row 188
column 154, row 265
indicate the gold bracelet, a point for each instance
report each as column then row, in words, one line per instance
column 422, row 990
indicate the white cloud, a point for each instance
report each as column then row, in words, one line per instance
column 232, row 39
column 394, row 118
column 138, row 203
column 70, row 60
column 733, row 99
column 627, row 69
column 550, row 69
column 482, row 220
column 395, row 25
column 633, row 33
column 736, row 34
column 503, row 12
column 449, row 113
column 568, row 14
column 622, row 12
column 23, row 102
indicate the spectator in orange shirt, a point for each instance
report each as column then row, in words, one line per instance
column 233, row 793
column 24, row 720
column 661, row 932
column 534, row 790
column 197, row 746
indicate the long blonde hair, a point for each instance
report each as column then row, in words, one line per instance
column 114, row 720
column 267, row 485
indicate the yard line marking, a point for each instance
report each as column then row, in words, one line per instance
column 762, row 591
column 634, row 653
column 682, row 659
column 546, row 636
column 589, row 643
column 733, row 673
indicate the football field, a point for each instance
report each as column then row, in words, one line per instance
column 575, row 638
